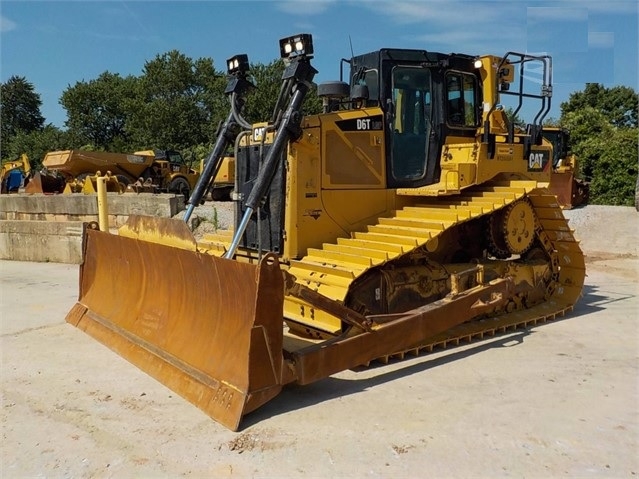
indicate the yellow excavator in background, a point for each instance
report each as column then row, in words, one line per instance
column 408, row 214
column 20, row 169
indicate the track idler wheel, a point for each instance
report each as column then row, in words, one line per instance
column 511, row 230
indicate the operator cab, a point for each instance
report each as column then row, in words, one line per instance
column 425, row 97
column 174, row 159
column 560, row 140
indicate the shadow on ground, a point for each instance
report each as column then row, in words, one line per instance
column 296, row 397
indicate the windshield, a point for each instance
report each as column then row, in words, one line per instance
column 411, row 122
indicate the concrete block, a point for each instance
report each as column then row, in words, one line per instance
column 33, row 206
column 162, row 205
column 38, row 227
column 42, row 241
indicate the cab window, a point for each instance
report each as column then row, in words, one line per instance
column 370, row 78
column 461, row 93
column 411, row 100
column 175, row 157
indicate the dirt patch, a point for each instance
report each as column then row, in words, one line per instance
column 244, row 442
column 402, row 449
column 258, row 440
column 625, row 266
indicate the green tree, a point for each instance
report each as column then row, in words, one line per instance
column 214, row 103
column 262, row 99
column 604, row 137
column 552, row 121
column 618, row 104
column 177, row 102
column 37, row 143
column 513, row 118
column 615, row 171
column 588, row 128
column 19, row 110
column 97, row 110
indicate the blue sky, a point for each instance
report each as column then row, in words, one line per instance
column 55, row 44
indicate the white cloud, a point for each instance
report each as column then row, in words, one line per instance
column 600, row 6
column 601, row 39
column 305, row 7
column 306, row 27
column 449, row 14
column 116, row 37
column 7, row 25
column 473, row 41
column 459, row 26
column 563, row 14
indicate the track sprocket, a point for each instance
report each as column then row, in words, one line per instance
column 511, row 230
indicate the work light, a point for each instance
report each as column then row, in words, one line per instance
column 237, row 64
column 297, row 46
column 237, row 67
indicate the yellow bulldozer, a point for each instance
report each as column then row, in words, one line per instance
column 408, row 214
column 570, row 190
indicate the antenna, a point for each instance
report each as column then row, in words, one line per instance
column 344, row 60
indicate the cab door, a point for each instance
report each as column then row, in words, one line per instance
column 412, row 162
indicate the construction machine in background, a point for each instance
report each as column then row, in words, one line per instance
column 155, row 171
column 408, row 214
column 222, row 186
column 14, row 173
column 570, row 190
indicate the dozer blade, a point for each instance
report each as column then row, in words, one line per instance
column 561, row 185
column 208, row 328
column 44, row 183
column 35, row 184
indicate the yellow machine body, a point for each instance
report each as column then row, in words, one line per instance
column 224, row 182
column 380, row 227
column 148, row 170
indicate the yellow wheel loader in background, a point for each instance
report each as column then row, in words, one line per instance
column 407, row 214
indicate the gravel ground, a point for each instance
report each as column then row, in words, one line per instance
column 211, row 216
column 598, row 229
